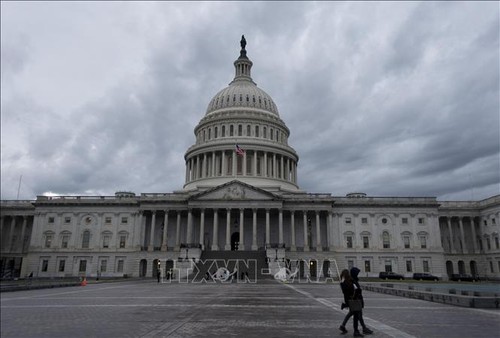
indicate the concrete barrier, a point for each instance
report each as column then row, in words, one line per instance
column 451, row 298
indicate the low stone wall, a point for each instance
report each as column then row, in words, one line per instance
column 452, row 299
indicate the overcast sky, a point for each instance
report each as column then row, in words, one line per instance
column 390, row 99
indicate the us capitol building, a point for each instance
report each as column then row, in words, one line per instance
column 241, row 193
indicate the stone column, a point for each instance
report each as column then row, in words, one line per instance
column 2, row 237
column 306, row 242
column 265, row 164
column 268, row 228
column 244, row 164
column 228, row 229
column 254, row 172
column 178, row 232
column 452, row 247
column 280, row 226
column 214, row 168
column 234, row 171
column 202, row 228
column 165, row 232
column 282, row 169
column 189, row 234
column 223, row 169
column 293, row 246
column 462, row 236
column 152, row 235
column 318, row 233
column 23, row 231
column 10, row 244
column 275, row 174
column 215, row 235
column 254, row 230
column 241, row 246
column 204, row 166
column 331, row 244
column 474, row 239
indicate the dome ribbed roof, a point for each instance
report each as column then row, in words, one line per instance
column 242, row 92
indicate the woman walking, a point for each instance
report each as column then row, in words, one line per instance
column 351, row 293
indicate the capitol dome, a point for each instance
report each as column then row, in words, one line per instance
column 242, row 137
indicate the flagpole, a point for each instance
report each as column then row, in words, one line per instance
column 19, row 186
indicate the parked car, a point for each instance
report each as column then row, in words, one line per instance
column 463, row 277
column 424, row 276
column 390, row 275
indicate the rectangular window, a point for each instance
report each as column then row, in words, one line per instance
column 364, row 220
column 119, row 267
column 67, row 220
column 366, row 242
column 368, row 267
column 350, row 264
column 423, row 242
column 404, row 220
column 425, row 265
column 107, row 220
column 51, row 220
column 124, row 220
column 408, row 266
column 488, row 243
column 406, row 241
column 493, row 221
column 496, row 243
column 62, row 263
column 491, row 267
column 348, row 220
column 105, row 241
column 104, row 264
column 45, row 265
column 64, row 242
column 485, row 222
column 86, row 239
column 421, row 221
column 48, row 241
column 349, row 241
column 123, row 238
column 83, row 266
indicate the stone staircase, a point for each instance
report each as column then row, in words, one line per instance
column 251, row 263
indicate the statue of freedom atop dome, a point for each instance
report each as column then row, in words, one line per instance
column 243, row 42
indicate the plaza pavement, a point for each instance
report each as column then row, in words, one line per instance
column 269, row 308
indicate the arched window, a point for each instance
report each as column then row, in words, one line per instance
column 264, row 133
column 231, row 130
column 223, row 131
column 271, row 133
column 86, row 239
column 215, row 132
column 256, row 131
column 248, row 130
column 240, row 130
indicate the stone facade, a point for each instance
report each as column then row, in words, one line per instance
column 241, row 193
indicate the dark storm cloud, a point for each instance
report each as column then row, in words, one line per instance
column 393, row 99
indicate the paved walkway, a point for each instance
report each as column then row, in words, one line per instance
column 268, row 309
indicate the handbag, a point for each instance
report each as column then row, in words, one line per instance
column 355, row 305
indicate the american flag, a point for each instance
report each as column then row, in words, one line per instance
column 239, row 151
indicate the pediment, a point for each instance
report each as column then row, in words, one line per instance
column 234, row 191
